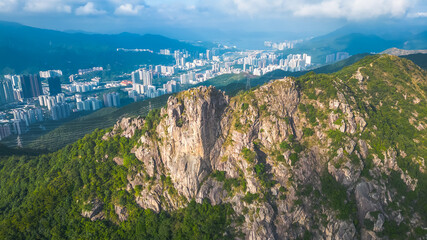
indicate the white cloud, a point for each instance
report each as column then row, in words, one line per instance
column 418, row 15
column 47, row 6
column 346, row 9
column 128, row 9
column 89, row 9
column 356, row 9
column 7, row 5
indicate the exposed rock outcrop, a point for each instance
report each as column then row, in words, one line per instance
column 266, row 153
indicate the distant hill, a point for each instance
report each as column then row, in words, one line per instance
column 31, row 49
column 358, row 40
column 419, row 59
column 418, row 41
column 401, row 52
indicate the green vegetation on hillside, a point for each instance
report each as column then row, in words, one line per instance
column 43, row 196
column 395, row 90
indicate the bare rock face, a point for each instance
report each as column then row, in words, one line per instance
column 270, row 158
column 121, row 213
column 190, row 131
column 118, row 160
column 96, row 212
column 148, row 154
column 212, row 190
column 366, row 199
column 149, row 201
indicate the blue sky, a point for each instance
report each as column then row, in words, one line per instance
column 193, row 19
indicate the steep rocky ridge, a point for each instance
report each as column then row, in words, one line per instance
column 310, row 157
column 339, row 156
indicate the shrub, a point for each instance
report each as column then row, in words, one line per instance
column 285, row 146
column 245, row 106
column 248, row 155
column 336, row 196
column 219, row 175
column 298, row 147
column 250, row 197
column 308, row 132
column 337, row 137
column 179, row 122
column 294, row 158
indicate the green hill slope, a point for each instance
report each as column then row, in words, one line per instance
column 345, row 149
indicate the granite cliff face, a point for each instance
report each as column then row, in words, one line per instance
column 297, row 158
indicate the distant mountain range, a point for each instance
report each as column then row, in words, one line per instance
column 356, row 41
column 28, row 49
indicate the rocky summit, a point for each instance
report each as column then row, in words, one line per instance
column 338, row 156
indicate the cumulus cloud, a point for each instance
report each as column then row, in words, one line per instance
column 7, row 5
column 89, row 9
column 356, row 9
column 418, row 15
column 47, row 6
column 347, row 9
column 128, row 9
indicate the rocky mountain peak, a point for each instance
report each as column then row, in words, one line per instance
column 338, row 156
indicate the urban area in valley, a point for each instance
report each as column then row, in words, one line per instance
column 30, row 100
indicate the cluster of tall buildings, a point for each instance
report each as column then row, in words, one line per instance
column 15, row 87
column 295, row 62
column 165, row 70
column 23, row 118
column 31, row 86
column 111, row 99
column 187, row 78
column 142, row 76
column 335, row 57
column 19, row 87
column 7, row 93
column 142, row 82
column 57, row 106
column 261, row 63
column 171, row 86
column 29, row 116
column 60, row 111
column 50, row 101
column 5, row 130
column 50, row 73
column 165, row 52
column 90, row 104
column 54, row 86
